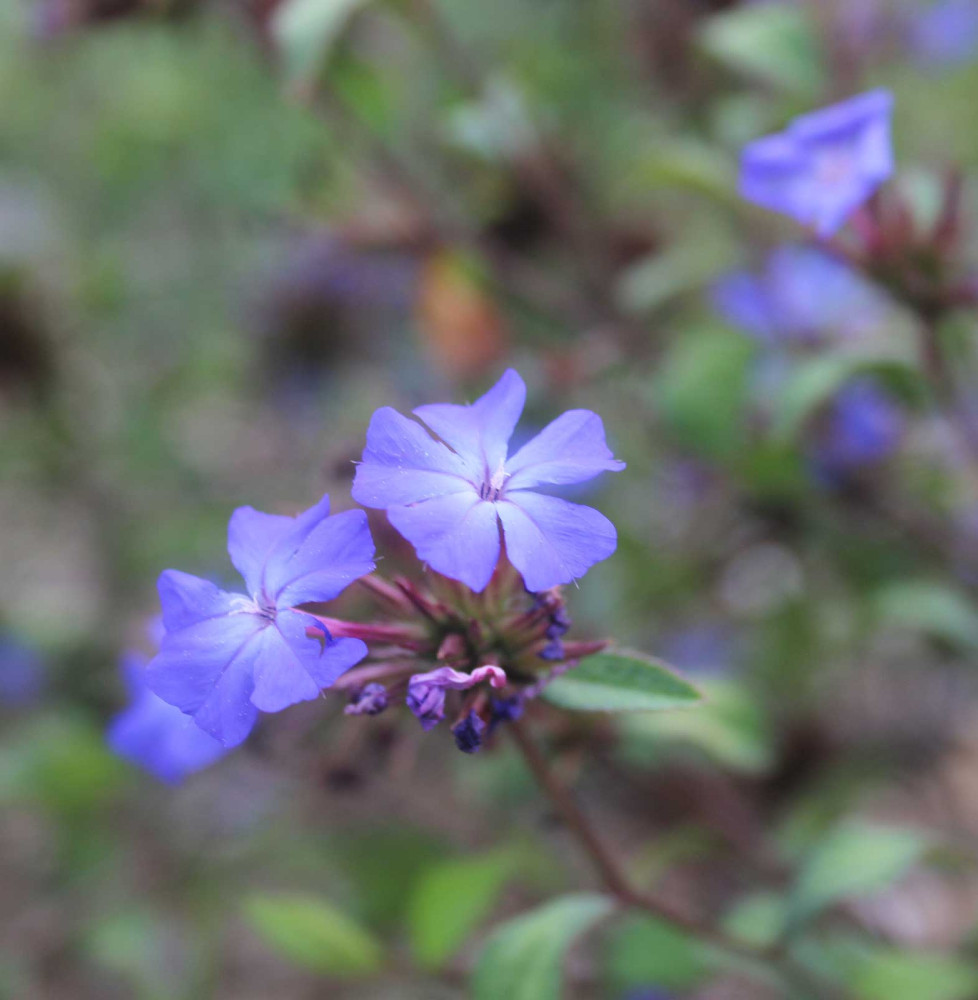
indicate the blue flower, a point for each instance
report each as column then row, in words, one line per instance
column 864, row 427
column 801, row 295
column 945, row 33
column 468, row 733
column 23, row 674
column 448, row 495
column 825, row 164
column 226, row 656
column 156, row 736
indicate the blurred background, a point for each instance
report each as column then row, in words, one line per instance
column 230, row 231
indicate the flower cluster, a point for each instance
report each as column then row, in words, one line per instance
column 491, row 620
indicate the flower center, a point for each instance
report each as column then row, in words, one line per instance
column 492, row 487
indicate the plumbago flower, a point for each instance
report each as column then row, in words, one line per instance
column 156, row 736
column 449, row 495
column 225, row 657
column 825, row 164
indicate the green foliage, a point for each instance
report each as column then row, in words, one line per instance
column 931, row 606
column 759, row 919
column 620, row 681
column 450, row 900
column 312, row 933
column 522, row 959
column 305, row 31
column 854, row 859
column 646, row 951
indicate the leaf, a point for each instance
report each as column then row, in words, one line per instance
column 729, row 726
column 853, row 860
column 815, row 382
column 621, row 682
column 522, row 959
column 898, row 975
column 312, row 933
column 773, row 43
column 930, row 606
column 304, row 31
column 757, row 919
column 450, row 900
column 645, row 951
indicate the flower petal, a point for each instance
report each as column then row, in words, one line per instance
column 206, row 669
column 403, row 464
column 570, row 449
column 187, row 599
column 480, row 433
column 551, row 541
column 456, row 535
column 291, row 667
column 337, row 551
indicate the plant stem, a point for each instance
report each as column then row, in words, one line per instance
column 619, row 885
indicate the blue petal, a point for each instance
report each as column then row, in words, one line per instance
column 251, row 535
column 158, row 736
column 291, row 667
column 403, row 464
column 206, row 669
column 570, row 449
column 551, row 541
column 743, row 300
column 480, row 433
column 456, row 535
column 336, row 552
column 188, row 599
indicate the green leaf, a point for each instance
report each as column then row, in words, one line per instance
column 451, row 899
column 853, row 860
column 772, row 43
column 304, row 32
column 312, row 933
column 899, row 975
column 621, row 681
column 815, row 382
column 522, row 959
column 930, row 606
column 758, row 919
column 728, row 726
column 646, row 951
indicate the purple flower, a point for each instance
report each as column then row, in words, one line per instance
column 801, row 295
column 945, row 33
column 226, row 656
column 22, row 673
column 468, row 733
column 864, row 427
column 371, row 699
column 825, row 164
column 448, row 495
column 426, row 692
column 156, row 736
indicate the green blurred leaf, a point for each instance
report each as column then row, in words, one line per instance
column 930, row 606
column 852, row 860
column 701, row 390
column 621, row 681
column 900, row 975
column 451, row 899
column 759, row 919
column 522, row 959
column 644, row 951
column 815, row 382
column 773, row 43
column 304, row 32
column 312, row 933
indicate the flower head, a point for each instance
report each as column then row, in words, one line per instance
column 801, row 295
column 825, row 164
column 449, row 495
column 226, row 656
column 156, row 736
column 426, row 692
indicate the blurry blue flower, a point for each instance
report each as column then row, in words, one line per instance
column 226, row 656
column 945, row 33
column 801, row 295
column 825, row 164
column 156, row 736
column 468, row 733
column 863, row 427
column 448, row 496
column 426, row 692
column 22, row 673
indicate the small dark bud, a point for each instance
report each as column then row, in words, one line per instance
column 468, row 733
column 369, row 700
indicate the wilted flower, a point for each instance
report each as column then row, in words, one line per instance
column 226, row 656
column 156, row 736
column 825, row 164
column 426, row 692
column 449, row 495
